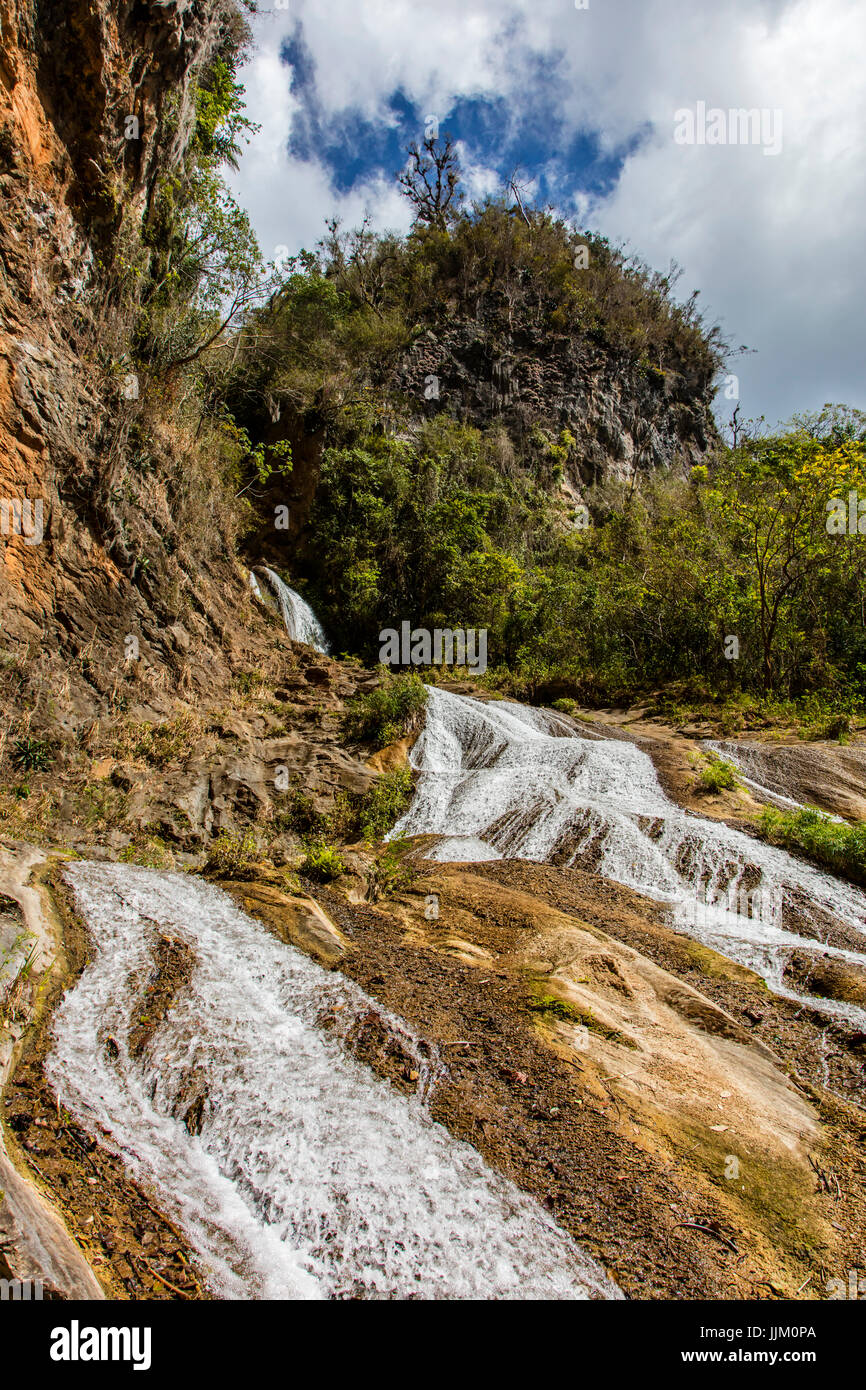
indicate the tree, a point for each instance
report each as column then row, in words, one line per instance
column 774, row 496
column 431, row 182
column 207, row 270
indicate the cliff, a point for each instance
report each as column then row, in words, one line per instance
column 95, row 106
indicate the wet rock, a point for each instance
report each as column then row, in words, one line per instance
column 298, row 921
column 827, row 978
column 194, row 1117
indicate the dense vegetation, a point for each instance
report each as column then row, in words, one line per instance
column 722, row 580
column 832, row 844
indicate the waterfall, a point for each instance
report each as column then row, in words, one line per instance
column 302, row 625
column 500, row 780
column 307, row 1175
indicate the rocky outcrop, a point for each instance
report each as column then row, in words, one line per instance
column 622, row 416
column 294, row 920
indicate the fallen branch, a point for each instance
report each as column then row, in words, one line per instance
column 708, row 1231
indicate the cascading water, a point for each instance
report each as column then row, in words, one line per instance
column 500, row 780
column 308, row 1176
column 301, row 622
column 757, row 773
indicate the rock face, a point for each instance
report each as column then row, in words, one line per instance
column 95, row 103
column 623, row 417
column 297, row 921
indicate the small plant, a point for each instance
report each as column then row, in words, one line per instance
column 550, row 1007
column 392, row 873
column 248, row 682
column 158, row 744
column 32, row 754
column 232, row 856
column 717, row 775
column 148, row 853
column 301, row 815
column 322, row 862
column 384, row 715
column 104, row 805
column 12, row 991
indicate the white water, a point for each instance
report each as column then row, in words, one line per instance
column 302, row 625
column 311, row 1177
column 500, row 780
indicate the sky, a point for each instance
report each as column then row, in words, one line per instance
column 616, row 112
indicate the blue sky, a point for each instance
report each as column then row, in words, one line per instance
column 534, row 138
column 584, row 103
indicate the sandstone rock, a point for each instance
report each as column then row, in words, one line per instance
column 317, row 675
column 297, row 921
column 389, row 759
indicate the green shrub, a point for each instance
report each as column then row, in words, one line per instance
column 384, row 715
column 322, row 862
column 248, row 682
column 831, row 726
column 385, row 802
column 718, row 775
column 301, row 816
column 392, row 873
column 834, row 845
column 232, row 856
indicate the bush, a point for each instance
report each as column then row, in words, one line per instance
column 832, row 726
column 718, row 775
column 32, row 754
column 232, row 856
column 388, row 713
column 392, row 873
column 301, row 816
column 385, row 802
column 834, row 845
column 322, row 862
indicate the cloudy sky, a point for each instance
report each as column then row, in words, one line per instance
column 584, row 101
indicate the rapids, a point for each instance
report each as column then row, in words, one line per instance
column 499, row 780
column 311, row 1177
column 301, row 622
